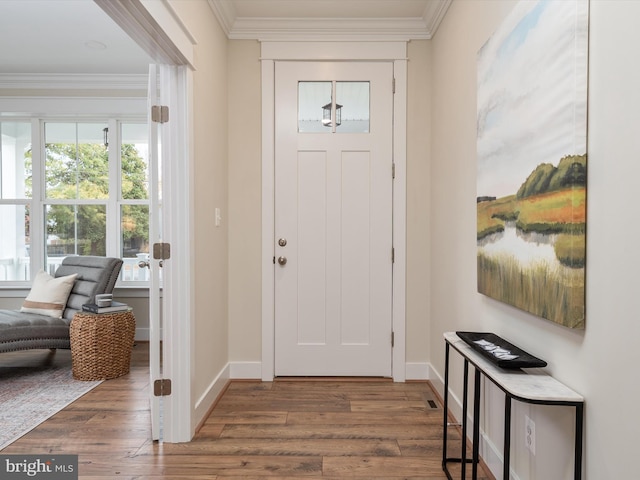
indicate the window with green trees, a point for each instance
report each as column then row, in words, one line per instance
column 84, row 192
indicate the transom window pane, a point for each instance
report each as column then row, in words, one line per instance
column 77, row 161
column 15, row 160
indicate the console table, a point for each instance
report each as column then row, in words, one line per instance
column 532, row 386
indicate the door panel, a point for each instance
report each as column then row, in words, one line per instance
column 333, row 190
column 155, row 235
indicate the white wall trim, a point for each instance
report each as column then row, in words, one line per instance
column 74, row 106
column 253, row 370
column 400, row 219
column 392, row 51
column 331, row 50
column 343, row 29
column 211, row 394
column 225, row 13
column 142, row 334
column 155, row 27
column 74, row 81
column 434, row 13
column 177, row 301
column 268, row 229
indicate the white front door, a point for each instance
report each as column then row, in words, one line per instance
column 333, row 218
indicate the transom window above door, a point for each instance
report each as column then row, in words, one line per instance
column 333, row 107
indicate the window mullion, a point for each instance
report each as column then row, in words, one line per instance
column 36, row 212
column 113, row 210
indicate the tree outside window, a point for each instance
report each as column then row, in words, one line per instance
column 82, row 206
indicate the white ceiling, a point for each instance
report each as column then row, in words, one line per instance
column 77, row 37
column 64, row 36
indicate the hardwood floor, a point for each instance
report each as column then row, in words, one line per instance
column 286, row 429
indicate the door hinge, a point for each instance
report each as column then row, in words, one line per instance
column 159, row 113
column 161, row 251
column 393, row 170
column 393, row 339
column 162, row 387
column 394, row 85
column 393, row 255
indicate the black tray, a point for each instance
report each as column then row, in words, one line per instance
column 500, row 352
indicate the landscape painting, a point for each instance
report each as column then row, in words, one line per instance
column 532, row 160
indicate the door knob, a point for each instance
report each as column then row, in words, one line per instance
column 282, row 260
column 143, row 264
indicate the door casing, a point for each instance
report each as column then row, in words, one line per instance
column 395, row 52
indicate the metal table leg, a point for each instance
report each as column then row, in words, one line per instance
column 476, row 426
column 507, row 436
column 465, row 392
column 577, row 468
column 445, row 424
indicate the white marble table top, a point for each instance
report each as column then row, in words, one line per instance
column 530, row 384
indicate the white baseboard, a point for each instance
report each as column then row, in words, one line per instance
column 493, row 457
column 142, row 334
column 253, row 370
column 436, row 380
column 209, row 397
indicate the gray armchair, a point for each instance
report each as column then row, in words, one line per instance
column 23, row 331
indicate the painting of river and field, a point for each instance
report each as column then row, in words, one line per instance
column 532, row 160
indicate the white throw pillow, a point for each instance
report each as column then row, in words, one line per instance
column 48, row 295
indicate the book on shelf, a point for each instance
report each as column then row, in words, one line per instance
column 115, row 307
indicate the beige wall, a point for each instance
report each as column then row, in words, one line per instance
column 418, row 200
column 209, row 129
column 245, row 211
column 599, row 362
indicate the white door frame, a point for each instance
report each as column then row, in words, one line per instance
column 395, row 52
column 154, row 26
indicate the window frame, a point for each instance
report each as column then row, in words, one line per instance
column 38, row 202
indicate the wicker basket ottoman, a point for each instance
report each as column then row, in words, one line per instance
column 101, row 344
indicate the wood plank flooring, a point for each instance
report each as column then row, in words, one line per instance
column 287, row 429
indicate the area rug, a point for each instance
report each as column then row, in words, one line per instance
column 30, row 395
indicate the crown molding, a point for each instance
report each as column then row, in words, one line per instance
column 225, row 12
column 434, row 13
column 331, row 29
column 309, row 29
column 73, row 81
